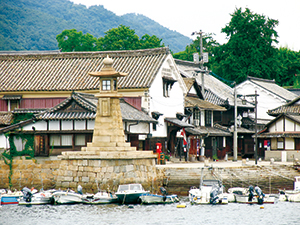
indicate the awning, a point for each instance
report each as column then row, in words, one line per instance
column 177, row 122
column 201, row 104
column 211, row 131
column 12, row 97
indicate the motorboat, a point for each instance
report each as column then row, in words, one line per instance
column 231, row 192
column 101, row 197
column 291, row 195
column 10, row 197
column 32, row 197
column 158, row 199
column 254, row 195
column 209, row 192
column 162, row 198
column 130, row 193
column 67, row 197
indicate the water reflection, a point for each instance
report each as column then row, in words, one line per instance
column 279, row 213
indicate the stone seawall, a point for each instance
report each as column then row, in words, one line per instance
column 91, row 174
column 54, row 173
column 269, row 178
column 30, row 173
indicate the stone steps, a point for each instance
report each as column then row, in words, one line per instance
column 107, row 149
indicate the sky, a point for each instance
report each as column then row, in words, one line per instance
column 210, row 16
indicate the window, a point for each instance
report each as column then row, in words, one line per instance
column 80, row 140
column 280, row 143
column 208, row 118
column 106, row 85
column 61, row 140
column 167, row 85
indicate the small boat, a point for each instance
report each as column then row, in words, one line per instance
column 158, row 199
column 291, row 195
column 67, row 197
column 32, row 197
column 231, row 192
column 255, row 196
column 130, row 193
column 209, row 192
column 10, row 197
column 101, row 197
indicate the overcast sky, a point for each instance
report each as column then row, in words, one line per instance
column 210, row 16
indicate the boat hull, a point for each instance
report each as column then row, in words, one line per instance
column 63, row 197
column 198, row 197
column 158, row 199
column 245, row 199
column 100, row 198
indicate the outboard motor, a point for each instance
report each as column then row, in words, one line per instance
column 27, row 194
column 251, row 193
column 214, row 195
column 79, row 189
column 260, row 195
column 163, row 192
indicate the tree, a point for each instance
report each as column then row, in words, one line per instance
column 249, row 50
column 121, row 38
column 71, row 40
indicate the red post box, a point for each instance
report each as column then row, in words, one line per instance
column 158, row 151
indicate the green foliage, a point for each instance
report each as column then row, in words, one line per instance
column 12, row 152
column 249, row 50
column 121, row 38
column 34, row 24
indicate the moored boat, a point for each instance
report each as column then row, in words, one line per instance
column 32, row 197
column 67, row 197
column 209, row 192
column 291, row 195
column 130, row 193
column 101, row 197
column 158, row 199
column 254, row 196
column 10, row 197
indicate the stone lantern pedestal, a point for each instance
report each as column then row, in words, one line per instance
column 108, row 160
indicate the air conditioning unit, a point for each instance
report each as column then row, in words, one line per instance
column 196, row 123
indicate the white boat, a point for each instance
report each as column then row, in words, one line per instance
column 291, row 195
column 32, row 197
column 158, row 199
column 231, row 192
column 130, row 193
column 9, row 197
column 209, row 192
column 66, row 197
column 254, row 196
column 101, row 197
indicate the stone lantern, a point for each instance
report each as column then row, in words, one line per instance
column 109, row 159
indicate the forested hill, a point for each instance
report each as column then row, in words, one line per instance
column 34, row 24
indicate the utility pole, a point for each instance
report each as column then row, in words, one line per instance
column 255, row 140
column 235, row 139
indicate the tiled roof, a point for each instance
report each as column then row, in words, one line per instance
column 89, row 102
column 5, row 118
column 211, row 131
column 196, row 102
column 177, row 122
column 188, row 82
column 272, row 87
column 216, row 91
column 292, row 107
column 54, row 71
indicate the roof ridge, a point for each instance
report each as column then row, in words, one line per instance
column 260, row 79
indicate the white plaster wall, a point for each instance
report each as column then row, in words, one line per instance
column 39, row 125
column 168, row 106
column 3, row 141
column 272, row 128
column 297, row 127
column 67, row 124
column 80, row 125
column 289, row 125
column 54, row 125
column 265, row 100
column 139, row 128
column 289, row 144
column 90, row 124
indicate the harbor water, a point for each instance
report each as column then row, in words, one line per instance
column 233, row 213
